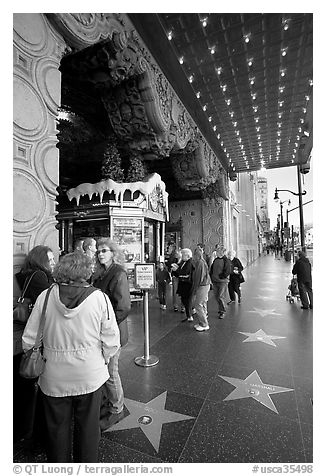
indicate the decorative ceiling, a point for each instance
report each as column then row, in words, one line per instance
column 251, row 79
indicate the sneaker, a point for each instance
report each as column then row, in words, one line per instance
column 230, row 302
column 163, row 306
column 221, row 315
column 175, row 309
column 183, row 310
column 200, row 328
column 190, row 319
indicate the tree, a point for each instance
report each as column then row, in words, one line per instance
column 111, row 164
column 137, row 169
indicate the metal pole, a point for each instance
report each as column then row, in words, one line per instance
column 146, row 360
column 292, row 243
column 300, row 209
column 282, row 232
column 146, row 326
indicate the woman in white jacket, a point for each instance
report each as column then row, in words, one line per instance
column 80, row 335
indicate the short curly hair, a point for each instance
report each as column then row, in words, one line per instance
column 73, row 267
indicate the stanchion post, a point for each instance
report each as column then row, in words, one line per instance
column 144, row 279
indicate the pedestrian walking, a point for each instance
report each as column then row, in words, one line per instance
column 201, row 282
column 219, row 273
column 302, row 269
column 163, row 278
column 174, row 258
column 236, row 277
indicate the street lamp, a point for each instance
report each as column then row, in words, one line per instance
column 299, row 194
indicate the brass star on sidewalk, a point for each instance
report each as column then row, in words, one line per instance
column 260, row 336
column 265, row 312
column 149, row 417
column 253, row 387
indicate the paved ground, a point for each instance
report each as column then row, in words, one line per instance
column 241, row 392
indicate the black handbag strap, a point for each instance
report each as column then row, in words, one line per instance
column 39, row 337
column 26, row 284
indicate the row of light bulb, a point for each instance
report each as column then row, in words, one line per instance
column 250, row 61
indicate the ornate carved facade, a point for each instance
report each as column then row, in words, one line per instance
column 141, row 105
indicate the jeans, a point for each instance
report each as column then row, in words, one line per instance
column 113, row 388
column 161, row 289
column 305, row 289
column 59, row 411
column 220, row 291
column 200, row 304
column 234, row 287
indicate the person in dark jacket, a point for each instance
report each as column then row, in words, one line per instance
column 302, row 269
column 174, row 257
column 183, row 271
column 111, row 278
column 27, row 409
column 163, row 278
column 201, row 282
column 235, row 277
column 219, row 273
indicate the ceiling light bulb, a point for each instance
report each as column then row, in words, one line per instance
column 219, row 70
column 210, row 118
column 252, row 80
column 198, row 94
column 204, row 22
column 247, row 37
column 205, row 107
column 222, row 143
column 258, row 129
column 234, row 123
column 283, row 72
column 223, row 86
column 310, row 82
column 284, row 51
column 181, row 60
column 304, row 110
column 228, row 102
column 218, row 135
column 302, row 121
column 256, row 119
column 212, row 50
column 214, row 128
column 281, row 89
column 170, row 35
column 231, row 113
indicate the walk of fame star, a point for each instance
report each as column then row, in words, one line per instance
column 265, row 312
column 253, row 387
column 260, row 336
column 149, row 417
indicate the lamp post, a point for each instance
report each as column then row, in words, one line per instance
column 299, row 194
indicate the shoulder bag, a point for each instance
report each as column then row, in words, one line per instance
column 23, row 306
column 33, row 362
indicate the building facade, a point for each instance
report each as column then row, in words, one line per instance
column 97, row 68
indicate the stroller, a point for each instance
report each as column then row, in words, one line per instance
column 293, row 291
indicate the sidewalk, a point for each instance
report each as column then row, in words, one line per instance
column 239, row 393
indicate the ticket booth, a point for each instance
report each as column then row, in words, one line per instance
column 132, row 214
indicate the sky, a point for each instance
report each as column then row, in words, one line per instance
column 286, row 178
